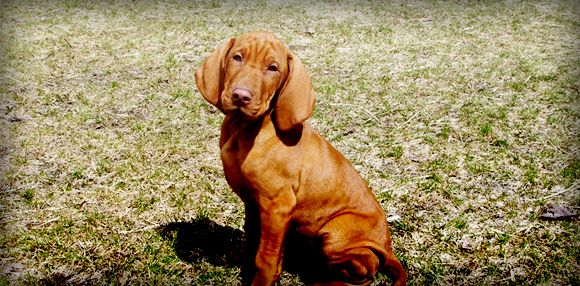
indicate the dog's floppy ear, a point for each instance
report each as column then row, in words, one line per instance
column 296, row 98
column 209, row 77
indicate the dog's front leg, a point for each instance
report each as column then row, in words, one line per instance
column 252, row 230
column 275, row 216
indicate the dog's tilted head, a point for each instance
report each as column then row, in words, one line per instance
column 248, row 72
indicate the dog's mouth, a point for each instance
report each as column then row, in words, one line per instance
column 245, row 103
column 250, row 110
column 250, row 113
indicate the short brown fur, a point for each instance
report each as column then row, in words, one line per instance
column 289, row 178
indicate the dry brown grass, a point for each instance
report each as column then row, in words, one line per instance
column 463, row 117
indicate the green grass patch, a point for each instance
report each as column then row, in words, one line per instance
column 461, row 116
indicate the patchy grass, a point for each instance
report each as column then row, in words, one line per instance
column 463, row 117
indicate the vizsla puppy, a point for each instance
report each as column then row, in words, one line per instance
column 291, row 180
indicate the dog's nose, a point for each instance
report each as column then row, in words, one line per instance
column 242, row 96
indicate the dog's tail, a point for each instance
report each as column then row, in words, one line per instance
column 394, row 269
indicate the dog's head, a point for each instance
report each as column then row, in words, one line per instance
column 248, row 72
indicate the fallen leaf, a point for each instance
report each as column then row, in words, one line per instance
column 554, row 212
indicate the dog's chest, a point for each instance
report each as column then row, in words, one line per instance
column 244, row 158
column 232, row 156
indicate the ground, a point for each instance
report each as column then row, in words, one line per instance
column 462, row 116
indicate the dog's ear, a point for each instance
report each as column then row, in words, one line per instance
column 209, row 77
column 296, row 98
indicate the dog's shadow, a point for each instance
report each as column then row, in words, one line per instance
column 205, row 239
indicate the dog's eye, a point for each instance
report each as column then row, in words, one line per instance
column 272, row 68
column 237, row 58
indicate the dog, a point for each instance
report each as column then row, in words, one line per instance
column 292, row 181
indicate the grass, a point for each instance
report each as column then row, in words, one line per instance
column 462, row 116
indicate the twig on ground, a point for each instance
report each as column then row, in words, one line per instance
column 573, row 186
column 150, row 227
column 46, row 222
column 411, row 118
column 66, row 41
column 371, row 115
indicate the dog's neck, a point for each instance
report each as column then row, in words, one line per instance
column 238, row 126
column 249, row 125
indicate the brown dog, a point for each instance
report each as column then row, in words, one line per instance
column 290, row 179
